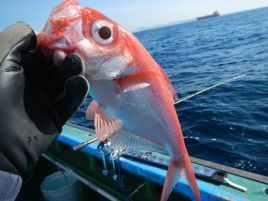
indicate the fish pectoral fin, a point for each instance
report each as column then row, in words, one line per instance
column 134, row 82
column 135, row 87
column 127, row 142
column 105, row 124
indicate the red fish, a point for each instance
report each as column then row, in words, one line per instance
column 133, row 97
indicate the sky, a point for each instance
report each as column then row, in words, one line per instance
column 132, row 14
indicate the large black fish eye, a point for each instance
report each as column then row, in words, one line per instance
column 105, row 32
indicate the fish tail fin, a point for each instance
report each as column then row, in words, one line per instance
column 190, row 176
column 175, row 169
column 173, row 175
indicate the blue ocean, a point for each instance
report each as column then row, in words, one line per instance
column 227, row 124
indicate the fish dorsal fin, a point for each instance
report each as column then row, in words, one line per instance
column 170, row 87
column 127, row 142
column 105, row 124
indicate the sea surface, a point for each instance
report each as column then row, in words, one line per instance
column 228, row 124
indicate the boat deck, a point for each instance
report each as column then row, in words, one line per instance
column 143, row 179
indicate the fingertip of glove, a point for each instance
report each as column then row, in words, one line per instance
column 75, row 62
column 77, row 88
column 77, row 84
column 75, row 92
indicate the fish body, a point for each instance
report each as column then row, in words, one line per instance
column 133, row 97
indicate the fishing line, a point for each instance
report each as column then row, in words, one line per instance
column 201, row 143
column 120, row 178
column 137, row 189
column 203, row 91
column 209, row 88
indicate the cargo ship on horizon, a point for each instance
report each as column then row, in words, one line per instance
column 214, row 14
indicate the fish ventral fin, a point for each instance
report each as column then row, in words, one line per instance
column 105, row 124
column 127, row 142
column 91, row 110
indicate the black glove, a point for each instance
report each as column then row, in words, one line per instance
column 36, row 98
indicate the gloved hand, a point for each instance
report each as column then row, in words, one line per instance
column 36, row 97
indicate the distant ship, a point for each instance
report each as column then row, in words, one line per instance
column 214, row 14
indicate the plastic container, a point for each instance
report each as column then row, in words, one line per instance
column 61, row 186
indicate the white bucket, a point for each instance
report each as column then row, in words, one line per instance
column 61, row 186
